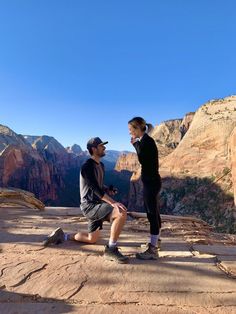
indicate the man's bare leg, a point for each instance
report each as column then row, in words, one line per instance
column 58, row 236
column 118, row 220
column 112, row 252
column 85, row 237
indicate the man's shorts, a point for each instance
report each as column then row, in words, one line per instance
column 96, row 215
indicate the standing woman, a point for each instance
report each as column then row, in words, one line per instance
column 148, row 157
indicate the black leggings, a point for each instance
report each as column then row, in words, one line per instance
column 152, row 205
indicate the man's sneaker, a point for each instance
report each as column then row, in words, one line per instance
column 149, row 253
column 56, row 237
column 113, row 254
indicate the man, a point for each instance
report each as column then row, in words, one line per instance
column 97, row 205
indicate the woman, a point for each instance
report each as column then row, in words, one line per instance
column 148, row 157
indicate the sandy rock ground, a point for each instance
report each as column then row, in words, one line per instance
column 195, row 271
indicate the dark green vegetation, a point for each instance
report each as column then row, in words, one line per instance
column 200, row 197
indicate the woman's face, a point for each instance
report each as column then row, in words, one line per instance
column 134, row 133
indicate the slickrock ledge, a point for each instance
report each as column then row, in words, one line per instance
column 12, row 197
column 195, row 272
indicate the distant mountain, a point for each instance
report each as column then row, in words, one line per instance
column 39, row 164
column 74, row 149
column 47, row 146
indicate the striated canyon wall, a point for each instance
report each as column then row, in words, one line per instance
column 38, row 164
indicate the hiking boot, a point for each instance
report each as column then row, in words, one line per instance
column 149, row 253
column 56, row 237
column 113, row 254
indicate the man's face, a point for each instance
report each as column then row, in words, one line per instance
column 100, row 151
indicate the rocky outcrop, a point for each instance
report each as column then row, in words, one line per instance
column 203, row 151
column 9, row 137
column 127, row 162
column 197, row 176
column 168, row 134
column 232, row 154
column 19, row 198
column 21, row 166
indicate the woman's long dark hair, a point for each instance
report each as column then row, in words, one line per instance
column 140, row 123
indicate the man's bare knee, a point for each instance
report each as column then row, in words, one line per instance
column 116, row 214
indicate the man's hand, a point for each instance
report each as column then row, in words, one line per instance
column 120, row 206
column 112, row 190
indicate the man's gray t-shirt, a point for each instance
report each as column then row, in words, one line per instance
column 91, row 183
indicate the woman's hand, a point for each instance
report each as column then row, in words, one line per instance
column 134, row 139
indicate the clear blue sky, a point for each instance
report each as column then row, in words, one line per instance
column 74, row 69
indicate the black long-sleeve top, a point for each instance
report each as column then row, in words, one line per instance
column 148, row 157
column 91, row 183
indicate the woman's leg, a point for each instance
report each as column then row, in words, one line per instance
column 151, row 203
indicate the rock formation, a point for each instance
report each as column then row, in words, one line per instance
column 127, row 162
column 203, row 151
column 19, row 198
column 39, row 164
column 74, row 149
column 200, row 167
column 232, row 154
column 168, row 134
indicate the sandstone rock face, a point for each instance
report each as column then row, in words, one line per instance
column 203, row 151
column 197, row 174
column 25, row 169
column 168, row 134
column 127, row 162
column 38, row 164
column 8, row 137
column 232, row 153
column 22, row 166
column 136, row 192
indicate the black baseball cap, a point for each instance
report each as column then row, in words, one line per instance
column 94, row 142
